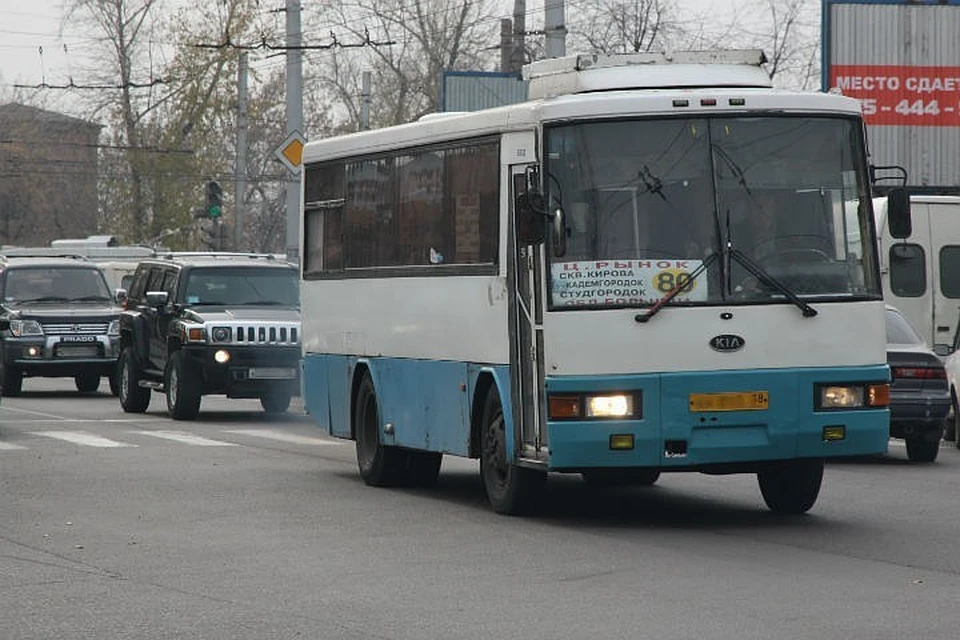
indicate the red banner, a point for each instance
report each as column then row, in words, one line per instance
column 902, row 95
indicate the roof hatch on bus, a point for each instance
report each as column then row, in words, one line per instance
column 682, row 69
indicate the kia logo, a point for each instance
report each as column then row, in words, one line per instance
column 727, row 342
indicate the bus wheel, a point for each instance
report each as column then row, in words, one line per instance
column 601, row 478
column 511, row 490
column 791, row 486
column 379, row 466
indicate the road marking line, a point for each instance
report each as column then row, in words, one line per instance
column 187, row 438
column 52, row 417
column 82, row 438
column 283, row 436
column 9, row 446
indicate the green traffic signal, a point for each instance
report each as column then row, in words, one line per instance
column 214, row 199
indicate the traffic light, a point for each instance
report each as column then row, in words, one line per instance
column 214, row 199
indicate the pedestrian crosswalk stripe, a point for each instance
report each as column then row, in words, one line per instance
column 82, row 438
column 187, row 438
column 9, row 446
column 283, row 436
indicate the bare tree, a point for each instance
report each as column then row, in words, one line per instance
column 426, row 37
column 787, row 31
column 623, row 26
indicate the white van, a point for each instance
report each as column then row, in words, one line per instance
column 921, row 274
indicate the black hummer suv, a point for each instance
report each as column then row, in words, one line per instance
column 58, row 319
column 198, row 324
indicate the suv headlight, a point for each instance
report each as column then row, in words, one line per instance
column 114, row 328
column 221, row 334
column 22, row 328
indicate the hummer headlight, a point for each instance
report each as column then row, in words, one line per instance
column 221, row 334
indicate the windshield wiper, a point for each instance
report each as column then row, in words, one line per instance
column 682, row 283
column 757, row 272
column 272, row 303
column 43, row 299
column 90, row 299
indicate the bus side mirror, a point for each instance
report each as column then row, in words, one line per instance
column 559, row 233
column 898, row 214
column 528, row 209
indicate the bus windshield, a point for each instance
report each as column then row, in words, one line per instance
column 648, row 201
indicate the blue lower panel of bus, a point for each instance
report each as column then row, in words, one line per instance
column 672, row 434
column 428, row 402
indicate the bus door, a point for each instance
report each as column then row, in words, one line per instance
column 527, row 316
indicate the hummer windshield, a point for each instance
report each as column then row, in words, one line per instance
column 242, row 286
column 54, row 284
column 646, row 202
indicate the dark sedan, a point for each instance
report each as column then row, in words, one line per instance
column 919, row 395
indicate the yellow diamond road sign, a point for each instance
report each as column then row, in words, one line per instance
column 290, row 151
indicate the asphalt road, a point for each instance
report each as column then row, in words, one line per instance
column 236, row 526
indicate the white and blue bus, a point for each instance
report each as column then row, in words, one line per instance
column 656, row 264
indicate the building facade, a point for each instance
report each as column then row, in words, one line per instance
column 48, row 176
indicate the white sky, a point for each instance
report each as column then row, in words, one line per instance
column 26, row 26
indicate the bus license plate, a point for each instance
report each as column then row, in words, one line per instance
column 730, row 401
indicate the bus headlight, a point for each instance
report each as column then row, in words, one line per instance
column 616, row 406
column 572, row 406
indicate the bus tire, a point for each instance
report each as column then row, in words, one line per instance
column 182, row 387
column 379, row 465
column 511, row 490
column 133, row 397
column 791, row 486
column 602, row 478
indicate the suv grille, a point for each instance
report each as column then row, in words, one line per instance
column 260, row 334
column 74, row 328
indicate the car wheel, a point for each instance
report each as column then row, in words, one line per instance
column 114, row 380
column 87, row 382
column 133, row 397
column 379, row 465
column 791, row 486
column 955, row 424
column 919, row 450
column 275, row 402
column 11, row 379
column 182, row 385
column 511, row 490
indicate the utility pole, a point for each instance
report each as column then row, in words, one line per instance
column 294, row 123
column 365, row 98
column 555, row 28
column 518, row 53
column 506, row 44
column 240, row 180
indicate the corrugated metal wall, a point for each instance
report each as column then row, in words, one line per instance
column 906, row 59
column 471, row 91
